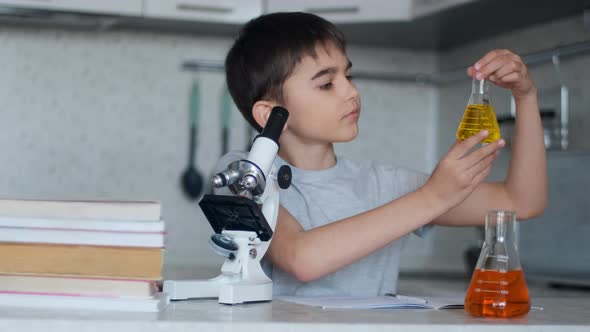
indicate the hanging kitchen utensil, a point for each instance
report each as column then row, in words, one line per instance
column 225, row 114
column 191, row 180
column 563, row 130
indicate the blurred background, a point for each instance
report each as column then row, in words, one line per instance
column 95, row 104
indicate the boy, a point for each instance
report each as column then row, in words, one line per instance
column 340, row 223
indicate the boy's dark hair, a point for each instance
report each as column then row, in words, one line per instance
column 267, row 50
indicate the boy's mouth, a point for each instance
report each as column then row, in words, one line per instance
column 352, row 114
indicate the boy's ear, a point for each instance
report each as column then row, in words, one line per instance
column 261, row 111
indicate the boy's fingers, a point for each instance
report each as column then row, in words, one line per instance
column 507, row 69
column 481, row 63
column 481, row 153
column 454, row 146
column 512, row 77
column 482, row 175
column 459, row 149
column 490, row 67
column 483, row 164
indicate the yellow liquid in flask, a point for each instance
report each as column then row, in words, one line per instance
column 476, row 118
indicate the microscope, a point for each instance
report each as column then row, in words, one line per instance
column 243, row 222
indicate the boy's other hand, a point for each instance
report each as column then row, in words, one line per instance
column 459, row 172
column 506, row 70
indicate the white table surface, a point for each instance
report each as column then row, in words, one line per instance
column 562, row 311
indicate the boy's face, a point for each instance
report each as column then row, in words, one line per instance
column 323, row 102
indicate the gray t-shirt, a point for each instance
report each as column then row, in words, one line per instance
column 317, row 198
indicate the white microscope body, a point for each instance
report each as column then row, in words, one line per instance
column 243, row 229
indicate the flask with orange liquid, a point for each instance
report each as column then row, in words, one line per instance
column 479, row 114
column 498, row 287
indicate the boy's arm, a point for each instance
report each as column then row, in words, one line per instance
column 525, row 187
column 311, row 254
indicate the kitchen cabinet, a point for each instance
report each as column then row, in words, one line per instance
column 109, row 7
column 348, row 11
column 359, row 11
column 425, row 7
column 220, row 11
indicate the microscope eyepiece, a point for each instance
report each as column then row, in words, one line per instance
column 275, row 124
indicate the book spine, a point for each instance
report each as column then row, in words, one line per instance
column 4, row 275
column 71, row 209
column 84, row 224
column 75, row 237
column 81, row 261
column 154, row 304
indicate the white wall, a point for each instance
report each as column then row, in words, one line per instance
column 103, row 115
column 398, row 120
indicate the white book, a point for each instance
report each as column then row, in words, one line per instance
column 151, row 304
column 76, row 286
column 82, row 237
column 84, row 224
column 80, row 209
column 375, row 302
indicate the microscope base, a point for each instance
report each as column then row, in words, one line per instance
column 228, row 292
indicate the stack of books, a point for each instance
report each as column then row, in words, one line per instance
column 81, row 254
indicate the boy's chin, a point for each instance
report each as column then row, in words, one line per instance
column 346, row 137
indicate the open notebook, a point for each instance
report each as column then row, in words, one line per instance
column 377, row 302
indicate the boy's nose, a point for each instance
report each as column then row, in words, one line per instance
column 352, row 92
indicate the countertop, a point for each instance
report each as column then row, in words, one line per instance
column 563, row 311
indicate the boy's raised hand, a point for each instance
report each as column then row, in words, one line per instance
column 506, row 70
column 459, row 172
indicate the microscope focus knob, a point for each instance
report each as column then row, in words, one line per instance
column 218, row 181
column 284, row 177
column 249, row 182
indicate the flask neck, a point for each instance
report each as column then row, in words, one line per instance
column 500, row 250
column 479, row 92
column 501, row 227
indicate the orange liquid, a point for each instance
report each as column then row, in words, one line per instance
column 497, row 294
column 476, row 118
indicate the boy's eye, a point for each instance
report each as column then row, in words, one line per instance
column 350, row 77
column 326, row 86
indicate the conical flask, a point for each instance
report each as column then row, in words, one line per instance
column 498, row 287
column 479, row 114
